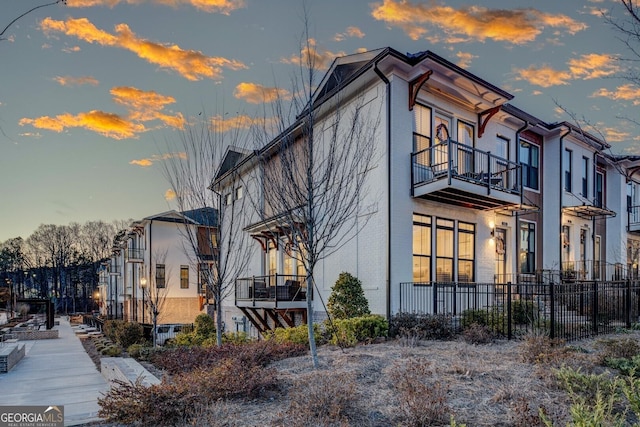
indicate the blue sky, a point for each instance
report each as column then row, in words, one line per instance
column 91, row 90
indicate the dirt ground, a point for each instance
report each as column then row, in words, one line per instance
column 485, row 385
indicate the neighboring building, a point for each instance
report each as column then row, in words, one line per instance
column 468, row 189
column 153, row 259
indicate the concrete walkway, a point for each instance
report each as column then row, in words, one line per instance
column 56, row 372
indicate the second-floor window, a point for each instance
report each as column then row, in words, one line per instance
column 527, row 247
column 585, row 176
column 239, row 192
column 566, row 161
column 160, row 276
column 529, row 159
column 184, row 277
column 421, row 128
column 599, row 190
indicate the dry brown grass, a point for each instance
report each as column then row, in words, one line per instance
column 502, row 383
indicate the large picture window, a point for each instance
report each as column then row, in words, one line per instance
column 527, row 247
column 421, row 248
column 529, row 159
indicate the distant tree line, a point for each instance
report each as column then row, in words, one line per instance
column 57, row 262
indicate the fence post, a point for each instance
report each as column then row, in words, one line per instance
column 594, row 308
column 509, row 312
column 552, row 308
column 400, row 297
column 435, row 298
column 627, row 303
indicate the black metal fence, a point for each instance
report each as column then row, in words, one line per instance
column 567, row 310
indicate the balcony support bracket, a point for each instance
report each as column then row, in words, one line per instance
column 415, row 85
column 482, row 122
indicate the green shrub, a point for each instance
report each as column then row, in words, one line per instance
column 111, row 327
column 297, row 335
column 203, row 333
column 349, row 332
column 421, row 326
column 204, row 325
column 129, row 333
column 112, row 350
column 523, row 312
column 235, row 337
column 135, row 350
column 347, row 298
column 493, row 318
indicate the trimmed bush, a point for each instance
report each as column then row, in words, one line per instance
column 349, row 332
column 111, row 327
column 347, row 298
column 297, row 335
column 135, row 350
column 129, row 333
column 421, row 326
column 204, row 333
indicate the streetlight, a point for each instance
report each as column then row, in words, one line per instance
column 143, row 285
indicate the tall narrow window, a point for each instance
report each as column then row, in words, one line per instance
column 160, row 276
column 585, row 177
column 599, row 192
column 529, row 154
column 444, row 250
column 527, row 247
column 465, row 133
column 466, row 252
column 239, row 192
column 502, row 147
column 465, row 148
column 184, row 277
column 422, row 128
column 421, row 248
column 568, row 157
column 272, row 256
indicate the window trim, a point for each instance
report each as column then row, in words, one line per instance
column 531, row 228
column 527, row 166
column 184, row 279
column 568, row 170
column 161, row 276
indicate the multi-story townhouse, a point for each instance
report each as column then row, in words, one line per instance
column 470, row 192
column 154, row 266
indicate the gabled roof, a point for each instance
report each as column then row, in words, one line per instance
column 202, row 216
column 231, row 158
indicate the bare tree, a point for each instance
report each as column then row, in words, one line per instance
column 218, row 247
column 628, row 29
column 315, row 172
column 154, row 294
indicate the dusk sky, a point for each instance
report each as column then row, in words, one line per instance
column 91, row 90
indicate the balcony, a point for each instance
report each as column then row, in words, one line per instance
column 134, row 255
column 633, row 223
column 457, row 174
column 271, row 292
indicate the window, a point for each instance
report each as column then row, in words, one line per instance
column 160, row 276
column 465, row 148
column 527, row 247
column 184, row 277
column 422, row 128
column 585, row 176
column 502, row 147
column 465, row 133
column 444, row 250
column 597, row 249
column 272, row 257
column 568, row 155
column 239, row 192
column 599, row 191
column 529, row 159
column 228, row 199
column 466, row 252
column 421, row 248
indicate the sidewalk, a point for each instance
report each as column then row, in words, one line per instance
column 56, row 372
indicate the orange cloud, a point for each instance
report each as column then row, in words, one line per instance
column 212, row 6
column 149, row 161
column 310, row 55
column 257, row 94
column 544, row 76
column 465, row 58
column 106, row 124
column 221, row 124
column 76, row 81
column 146, row 105
column 190, row 64
column 349, row 32
column 593, row 66
column 628, row 92
column 517, row 26
column 615, row 135
column 142, row 106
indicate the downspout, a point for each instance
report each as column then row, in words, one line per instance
column 388, row 272
column 516, row 231
column 561, row 193
column 593, row 219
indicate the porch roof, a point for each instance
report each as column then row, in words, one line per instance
column 588, row 211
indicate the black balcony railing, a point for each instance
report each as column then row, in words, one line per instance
column 452, row 159
column 273, row 288
column 633, row 216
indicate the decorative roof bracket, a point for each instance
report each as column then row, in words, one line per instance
column 482, row 123
column 415, row 85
